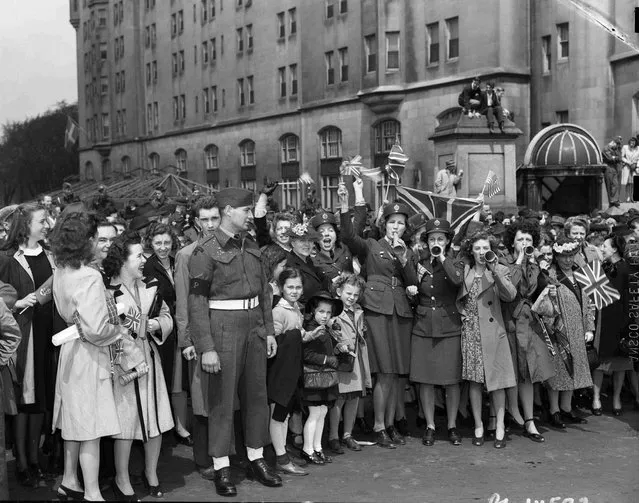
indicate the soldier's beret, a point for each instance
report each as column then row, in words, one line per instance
column 234, row 197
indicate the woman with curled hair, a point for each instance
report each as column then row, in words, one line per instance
column 531, row 358
column 163, row 242
column 142, row 403
column 486, row 357
column 569, row 319
column 26, row 265
column 84, row 408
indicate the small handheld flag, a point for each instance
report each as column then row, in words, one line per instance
column 491, row 185
column 71, row 134
column 596, row 284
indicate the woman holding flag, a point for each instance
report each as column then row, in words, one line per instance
column 386, row 308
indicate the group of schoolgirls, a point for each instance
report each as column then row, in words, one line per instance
column 321, row 364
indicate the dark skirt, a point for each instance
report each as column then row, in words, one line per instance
column 388, row 339
column 436, row 360
column 314, row 397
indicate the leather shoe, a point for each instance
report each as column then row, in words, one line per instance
column 352, row 444
column 478, row 441
column 260, row 471
column 596, row 411
column 535, row 437
column 312, row 459
column 188, row 440
column 290, row 469
column 454, row 437
column 428, row 438
column 383, row 440
column 395, row 436
column 207, row 473
column 499, row 443
column 224, row 486
column 569, row 417
column 335, row 446
column 323, row 457
column 556, row 422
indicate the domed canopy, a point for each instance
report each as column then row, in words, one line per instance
column 562, row 145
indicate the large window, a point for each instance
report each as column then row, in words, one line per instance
column 292, row 71
column 125, row 164
column 329, row 192
column 181, row 161
column 281, row 25
column 432, row 41
column 154, row 162
column 241, row 99
column 106, row 169
column 330, row 143
column 546, row 54
column 329, row 57
column 370, row 46
column 452, row 38
column 562, row 41
column 561, row 116
column 106, row 127
column 290, row 190
column 292, row 21
column 343, row 64
column 247, row 153
column 392, row 50
column 281, row 75
column 386, row 133
column 211, row 157
column 289, row 149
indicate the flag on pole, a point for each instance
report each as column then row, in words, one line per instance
column 396, row 157
column 374, row 174
column 491, row 185
column 596, row 284
column 457, row 211
column 71, row 133
column 351, row 167
column 305, row 178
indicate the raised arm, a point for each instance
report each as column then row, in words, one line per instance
column 356, row 244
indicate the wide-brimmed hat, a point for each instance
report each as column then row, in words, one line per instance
column 139, row 222
column 439, row 225
column 338, row 305
column 394, row 208
column 303, row 231
column 325, row 217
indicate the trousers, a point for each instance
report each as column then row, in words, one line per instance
column 611, row 178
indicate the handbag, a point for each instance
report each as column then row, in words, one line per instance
column 345, row 362
column 319, row 377
column 593, row 356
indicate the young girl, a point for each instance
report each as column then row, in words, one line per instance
column 319, row 353
column 285, row 369
column 349, row 338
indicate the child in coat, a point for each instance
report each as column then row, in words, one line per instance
column 348, row 333
column 319, row 353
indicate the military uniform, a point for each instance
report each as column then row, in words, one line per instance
column 331, row 264
column 230, row 313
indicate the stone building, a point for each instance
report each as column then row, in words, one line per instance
column 232, row 92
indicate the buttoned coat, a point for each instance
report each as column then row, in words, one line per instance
column 436, row 314
column 352, row 333
column 154, row 397
column 495, row 288
column 15, row 270
column 84, row 405
column 311, row 278
column 329, row 268
column 381, row 264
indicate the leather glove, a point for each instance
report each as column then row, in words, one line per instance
column 269, row 188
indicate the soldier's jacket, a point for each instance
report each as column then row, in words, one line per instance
column 225, row 268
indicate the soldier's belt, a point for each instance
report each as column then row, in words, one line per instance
column 234, row 305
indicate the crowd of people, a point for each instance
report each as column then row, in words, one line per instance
column 285, row 329
column 622, row 166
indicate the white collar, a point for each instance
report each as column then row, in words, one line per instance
column 31, row 252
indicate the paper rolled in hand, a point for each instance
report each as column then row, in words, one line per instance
column 129, row 376
column 71, row 333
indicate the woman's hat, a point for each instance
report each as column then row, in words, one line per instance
column 566, row 247
column 439, row 225
column 394, row 208
column 303, row 231
column 325, row 217
column 338, row 305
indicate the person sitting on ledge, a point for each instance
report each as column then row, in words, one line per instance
column 491, row 107
column 470, row 99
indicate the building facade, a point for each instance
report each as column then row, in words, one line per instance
column 235, row 92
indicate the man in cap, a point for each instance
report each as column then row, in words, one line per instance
column 470, row 99
column 447, row 180
column 207, row 217
column 158, row 198
column 612, row 157
column 67, row 196
column 231, row 325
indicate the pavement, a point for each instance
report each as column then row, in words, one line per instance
column 595, row 463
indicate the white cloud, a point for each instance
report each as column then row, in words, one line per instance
column 37, row 57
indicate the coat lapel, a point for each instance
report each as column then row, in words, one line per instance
column 20, row 258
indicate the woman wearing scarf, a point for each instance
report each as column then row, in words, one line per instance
column 570, row 326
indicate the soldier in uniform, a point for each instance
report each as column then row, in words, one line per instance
column 436, row 339
column 231, row 325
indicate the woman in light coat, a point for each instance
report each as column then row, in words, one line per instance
column 84, row 406
column 486, row 356
column 143, row 404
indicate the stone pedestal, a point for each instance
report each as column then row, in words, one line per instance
column 476, row 151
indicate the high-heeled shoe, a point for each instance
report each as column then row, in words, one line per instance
column 120, row 496
column 155, row 491
column 535, row 437
column 65, row 494
column 188, row 440
column 596, row 411
column 500, row 443
column 617, row 412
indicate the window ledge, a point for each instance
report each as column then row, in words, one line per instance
column 281, row 40
column 453, row 60
column 249, row 51
column 433, row 65
column 562, row 60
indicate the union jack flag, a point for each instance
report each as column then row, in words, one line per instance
column 351, row 167
column 596, row 284
column 457, row 211
column 132, row 320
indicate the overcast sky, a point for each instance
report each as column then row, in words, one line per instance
column 37, row 57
